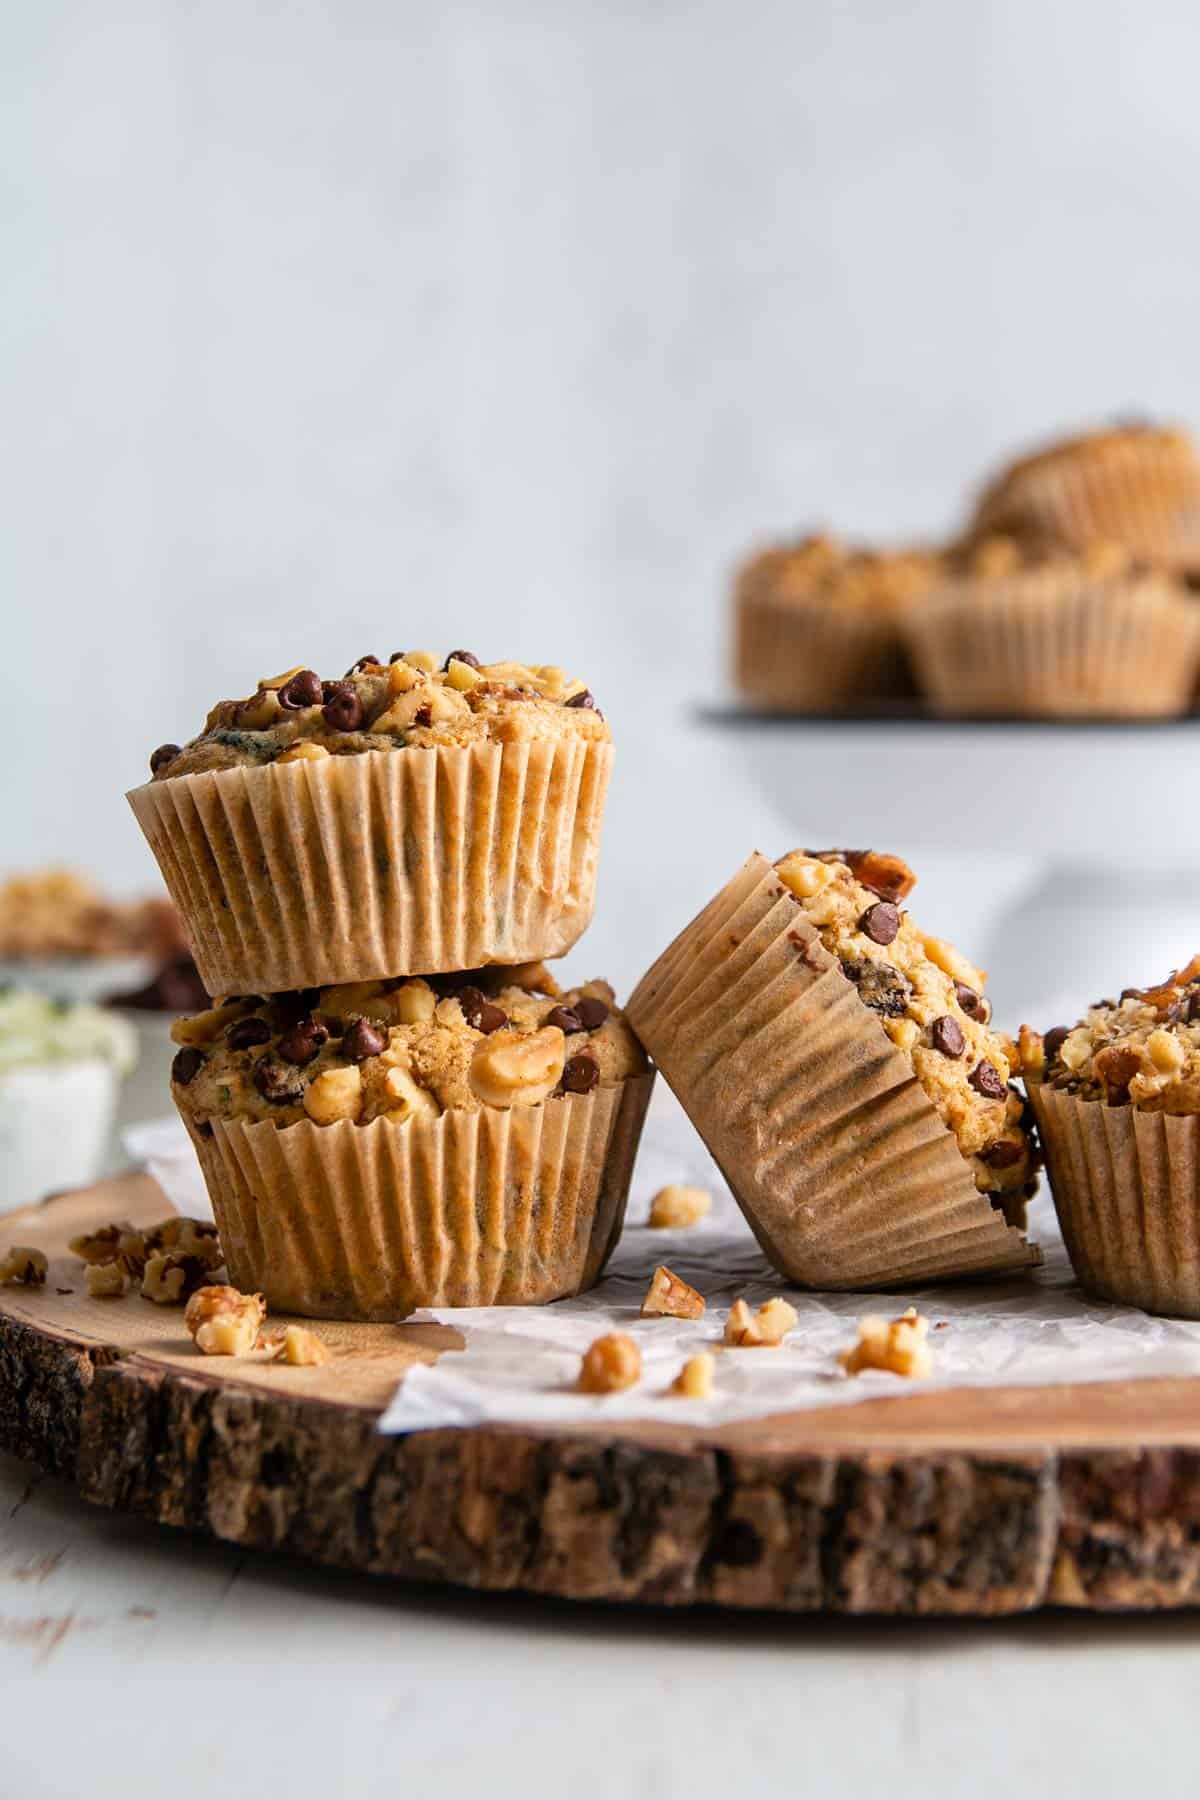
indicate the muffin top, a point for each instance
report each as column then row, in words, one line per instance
column 408, row 702
column 928, row 998
column 997, row 556
column 1142, row 1050
column 822, row 570
column 398, row 1049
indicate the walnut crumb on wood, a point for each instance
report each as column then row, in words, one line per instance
column 897, row 1345
column 106, row 1281
column 676, row 1206
column 303, row 1349
column 225, row 1322
column 611, row 1363
column 695, row 1380
column 668, row 1296
column 171, row 1278
column 23, row 1267
column 763, row 1330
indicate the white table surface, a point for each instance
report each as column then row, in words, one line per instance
column 138, row 1661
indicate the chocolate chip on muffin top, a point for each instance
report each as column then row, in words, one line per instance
column 929, row 1000
column 409, row 702
column 401, row 1049
column 1142, row 1050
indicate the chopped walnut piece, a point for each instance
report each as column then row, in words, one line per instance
column 223, row 1321
column 668, row 1296
column 612, row 1362
column 171, row 1278
column 23, row 1267
column 106, row 1281
column 695, row 1380
column 187, row 1237
column 303, row 1349
column 677, row 1206
column 102, row 1246
column 897, row 1345
column 763, row 1330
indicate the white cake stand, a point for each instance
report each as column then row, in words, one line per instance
column 1099, row 823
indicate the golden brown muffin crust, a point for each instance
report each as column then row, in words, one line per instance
column 409, row 702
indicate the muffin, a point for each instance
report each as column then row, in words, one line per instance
column 841, row 1066
column 1117, row 1099
column 377, row 1146
column 1021, row 628
column 1137, row 484
column 815, row 625
column 404, row 819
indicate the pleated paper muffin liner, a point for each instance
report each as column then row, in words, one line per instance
column 487, row 1208
column 1045, row 645
column 790, row 656
column 839, row 1161
column 1142, row 493
column 1126, row 1185
column 401, row 862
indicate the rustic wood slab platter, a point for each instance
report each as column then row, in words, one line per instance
column 972, row 1503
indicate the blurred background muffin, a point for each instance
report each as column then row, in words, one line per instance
column 1033, row 629
column 1136, row 484
column 815, row 625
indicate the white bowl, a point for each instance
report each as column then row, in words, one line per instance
column 55, row 1121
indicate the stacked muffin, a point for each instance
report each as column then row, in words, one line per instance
column 394, row 1105
column 1068, row 596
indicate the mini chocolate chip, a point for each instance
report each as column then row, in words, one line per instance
column 276, row 1082
column 423, row 715
column 244, row 1033
column 592, row 1012
column 1193, row 1007
column 297, row 1003
column 202, row 1128
column 463, row 656
column 342, row 710
column 1003, row 1154
column 880, row 922
column 973, row 1004
column 580, row 1074
column 584, row 699
column 985, row 1079
column 304, row 689
column 1054, row 1040
column 361, row 1039
column 363, row 662
column 302, row 1041
column 565, row 1018
column 481, row 1013
column 946, row 1035
column 187, row 1065
column 162, row 756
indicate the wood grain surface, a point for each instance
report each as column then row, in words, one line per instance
column 976, row 1502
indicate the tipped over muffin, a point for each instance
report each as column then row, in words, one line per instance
column 842, row 1068
column 408, row 817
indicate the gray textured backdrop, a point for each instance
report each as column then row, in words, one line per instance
column 331, row 328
